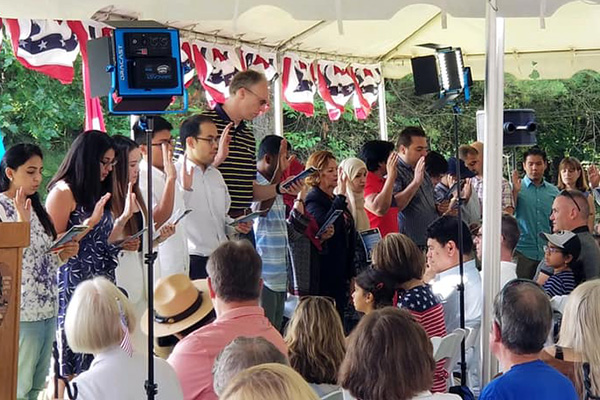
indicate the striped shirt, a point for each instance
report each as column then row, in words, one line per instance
column 429, row 313
column 271, row 243
column 239, row 168
column 560, row 284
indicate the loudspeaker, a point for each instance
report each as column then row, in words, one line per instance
column 519, row 127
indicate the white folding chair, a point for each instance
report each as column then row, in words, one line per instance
column 448, row 349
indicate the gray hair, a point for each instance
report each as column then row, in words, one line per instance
column 523, row 313
column 243, row 353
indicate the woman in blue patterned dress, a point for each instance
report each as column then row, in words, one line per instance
column 79, row 194
column 20, row 177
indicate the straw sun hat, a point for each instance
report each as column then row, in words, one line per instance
column 178, row 304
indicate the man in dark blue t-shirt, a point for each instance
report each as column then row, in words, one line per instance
column 522, row 321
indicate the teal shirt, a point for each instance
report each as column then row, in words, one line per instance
column 534, row 206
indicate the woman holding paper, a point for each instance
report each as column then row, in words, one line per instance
column 79, row 194
column 20, row 177
column 130, row 268
column 337, row 258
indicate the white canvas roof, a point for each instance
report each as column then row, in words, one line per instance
column 386, row 31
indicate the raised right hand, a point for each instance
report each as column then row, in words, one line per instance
column 420, row 171
column 187, row 176
column 391, row 166
column 516, row 181
column 23, row 206
column 594, row 176
column 96, row 216
column 169, row 167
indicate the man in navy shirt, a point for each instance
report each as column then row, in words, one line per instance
column 522, row 320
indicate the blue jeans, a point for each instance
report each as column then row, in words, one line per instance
column 35, row 351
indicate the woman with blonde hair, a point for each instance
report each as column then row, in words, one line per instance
column 328, row 195
column 99, row 321
column 316, row 343
column 389, row 357
column 571, row 176
column 578, row 339
column 269, row 381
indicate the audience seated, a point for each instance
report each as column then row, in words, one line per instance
column 578, row 339
column 99, row 321
column 522, row 321
column 243, row 353
column 269, row 381
column 389, row 356
column 373, row 289
column 234, row 284
column 443, row 257
column 180, row 307
column 508, row 242
column 316, row 342
column 398, row 255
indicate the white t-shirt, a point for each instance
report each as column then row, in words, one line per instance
column 116, row 376
column 508, row 272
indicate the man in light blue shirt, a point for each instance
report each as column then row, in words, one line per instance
column 270, row 230
column 533, row 200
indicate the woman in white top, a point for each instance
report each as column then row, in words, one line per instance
column 389, row 356
column 98, row 321
column 20, row 177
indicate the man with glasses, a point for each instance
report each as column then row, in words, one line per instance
column 205, row 192
column 522, row 321
column 249, row 97
column 570, row 212
column 533, row 197
column 167, row 196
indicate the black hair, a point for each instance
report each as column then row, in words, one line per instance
column 269, row 145
column 191, row 127
column 435, row 164
column 123, row 146
column 15, row 157
column 374, row 152
column 405, row 137
column 160, row 124
column 445, row 229
column 80, row 168
column 380, row 284
column 535, row 151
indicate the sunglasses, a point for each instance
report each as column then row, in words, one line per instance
column 566, row 193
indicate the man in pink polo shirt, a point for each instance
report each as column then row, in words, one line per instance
column 234, row 283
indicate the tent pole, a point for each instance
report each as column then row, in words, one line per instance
column 277, row 96
column 492, row 206
column 383, row 132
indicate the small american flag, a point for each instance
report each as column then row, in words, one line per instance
column 126, row 342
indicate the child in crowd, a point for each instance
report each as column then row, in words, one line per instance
column 373, row 289
column 561, row 253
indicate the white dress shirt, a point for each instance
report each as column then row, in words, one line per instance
column 206, row 226
column 116, row 376
column 508, row 272
column 173, row 256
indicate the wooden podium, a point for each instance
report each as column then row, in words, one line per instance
column 14, row 236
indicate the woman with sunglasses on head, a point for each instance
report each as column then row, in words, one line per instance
column 316, row 343
column 578, row 340
column 20, row 177
column 79, row 194
column 571, row 176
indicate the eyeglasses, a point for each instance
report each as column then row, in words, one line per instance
column 263, row 102
column 107, row 164
column 550, row 249
column 170, row 142
column 329, row 299
column 566, row 193
column 211, row 141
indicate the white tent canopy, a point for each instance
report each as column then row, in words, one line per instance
column 387, row 31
